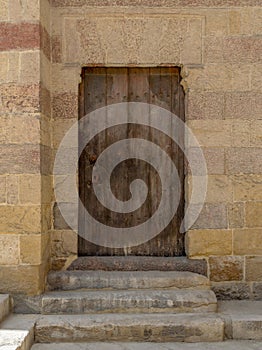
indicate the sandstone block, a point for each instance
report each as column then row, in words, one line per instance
column 24, row 10
column 10, row 250
column 31, row 249
column 18, row 219
column 30, row 67
column 247, row 241
column 238, row 105
column 45, row 131
column 46, row 217
column 4, row 15
column 212, row 216
column 234, row 21
column 226, row 268
column 254, row 214
column 65, row 106
column 45, row 42
column 3, row 66
column 3, row 198
column 241, row 133
column 254, row 268
column 257, row 21
column 30, row 189
column 21, row 279
column 56, row 49
column 247, row 187
column 213, row 49
column 211, row 133
column 242, row 49
column 256, row 77
column 231, row 290
column 17, row 99
column 24, row 129
column 215, row 159
column 256, row 134
column 45, row 100
column 19, row 36
column 205, row 105
column 12, row 189
column 65, row 79
column 257, row 291
column 60, row 128
column 236, row 215
column 17, row 159
column 208, row 242
column 244, row 160
column 4, row 120
column 217, row 23
column 47, row 194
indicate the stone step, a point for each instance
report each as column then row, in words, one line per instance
column 71, row 280
column 127, row 327
column 139, row 263
column 178, row 301
column 4, row 306
column 226, row 345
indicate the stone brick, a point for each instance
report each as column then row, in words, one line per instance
column 30, row 67
column 226, row 268
column 213, row 215
column 60, row 128
column 65, row 79
column 211, row 133
column 3, row 189
column 244, row 160
column 9, row 253
column 45, row 68
column 17, row 99
column 19, row 36
column 231, row 290
column 65, row 105
column 30, row 189
column 254, row 214
column 213, row 49
column 4, row 120
column 4, row 13
column 257, row 291
column 45, row 100
column 46, row 131
column 242, row 49
column 247, row 241
column 256, row 77
column 64, row 243
column 59, row 222
column 16, row 159
column 236, row 215
column 24, row 129
column 31, row 249
column 22, row 279
column 47, row 195
column 12, row 189
column 256, row 133
column 13, row 72
column 238, row 105
column 47, row 160
column 24, row 10
column 254, row 268
column 205, row 105
column 18, row 219
column 46, row 217
column 56, row 48
column 215, row 160
column 217, row 23
column 208, row 242
column 241, row 133
column 247, row 187
column 45, row 42
column 234, row 22
column 219, row 189
column 257, row 21
column 3, row 67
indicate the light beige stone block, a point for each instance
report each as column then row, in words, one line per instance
column 3, row 64
column 226, row 268
column 31, row 249
column 9, row 252
column 60, row 128
column 217, row 22
column 30, row 189
column 211, row 133
column 247, row 241
column 65, row 79
column 24, row 10
column 256, row 133
column 45, row 131
column 234, row 21
column 208, row 242
column 236, row 215
column 257, row 21
column 256, row 77
column 2, row 189
column 247, row 187
column 19, row 219
column 24, row 129
column 12, row 189
column 4, row 13
column 254, row 214
column 4, row 120
column 30, row 67
column 241, row 133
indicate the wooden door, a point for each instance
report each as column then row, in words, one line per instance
column 104, row 86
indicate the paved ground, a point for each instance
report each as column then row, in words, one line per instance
column 229, row 345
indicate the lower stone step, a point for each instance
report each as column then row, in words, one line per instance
column 71, row 280
column 83, row 302
column 135, row 327
column 227, row 345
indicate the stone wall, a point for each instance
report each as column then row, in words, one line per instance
column 25, row 184
column 216, row 43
